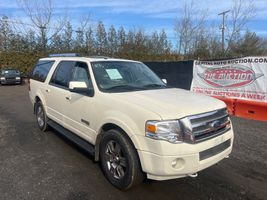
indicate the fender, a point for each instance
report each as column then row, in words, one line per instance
column 123, row 122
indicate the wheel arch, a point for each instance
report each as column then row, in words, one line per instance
column 37, row 98
column 108, row 126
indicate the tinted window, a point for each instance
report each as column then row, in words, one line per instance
column 41, row 70
column 80, row 73
column 62, row 75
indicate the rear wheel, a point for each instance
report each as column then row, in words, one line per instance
column 119, row 160
column 41, row 117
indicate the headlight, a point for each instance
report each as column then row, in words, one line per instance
column 2, row 78
column 17, row 78
column 165, row 130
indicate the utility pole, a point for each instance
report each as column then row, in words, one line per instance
column 223, row 27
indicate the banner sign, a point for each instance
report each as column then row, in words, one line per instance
column 242, row 78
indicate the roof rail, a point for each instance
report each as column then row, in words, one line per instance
column 105, row 57
column 64, row 55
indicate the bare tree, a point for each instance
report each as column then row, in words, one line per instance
column 67, row 37
column 189, row 27
column 40, row 13
column 241, row 12
column 5, row 33
column 80, row 33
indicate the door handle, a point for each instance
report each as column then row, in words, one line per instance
column 47, row 90
column 68, row 98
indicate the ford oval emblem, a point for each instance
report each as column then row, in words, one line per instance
column 215, row 124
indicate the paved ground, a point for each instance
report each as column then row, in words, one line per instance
column 34, row 165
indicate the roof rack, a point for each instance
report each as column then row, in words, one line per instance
column 104, row 57
column 64, row 55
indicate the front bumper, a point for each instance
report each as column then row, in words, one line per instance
column 180, row 160
column 10, row 81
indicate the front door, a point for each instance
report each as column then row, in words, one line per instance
column 80, row 113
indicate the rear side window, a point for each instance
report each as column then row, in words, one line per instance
column 41, row 70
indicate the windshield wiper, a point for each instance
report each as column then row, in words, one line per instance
column 154, row 85
column 124, row 87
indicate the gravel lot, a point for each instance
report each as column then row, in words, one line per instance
column 36, row 165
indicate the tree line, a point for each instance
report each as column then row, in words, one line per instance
column 22, row 44
column 88, row 41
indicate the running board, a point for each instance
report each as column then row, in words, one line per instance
column 86, row 146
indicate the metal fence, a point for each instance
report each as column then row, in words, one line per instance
column 178, row 74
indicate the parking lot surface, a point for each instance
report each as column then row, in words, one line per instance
column 37, row 165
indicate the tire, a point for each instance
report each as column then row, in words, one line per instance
column 41, row 117
column 119, row 160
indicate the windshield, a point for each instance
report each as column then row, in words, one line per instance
column 120, row 76
column 10, row 72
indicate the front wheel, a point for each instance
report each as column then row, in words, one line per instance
column 41, row 117
column 119, row 160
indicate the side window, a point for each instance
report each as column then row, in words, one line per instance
column 81, row 73
column 41, row 70
column 62, row 74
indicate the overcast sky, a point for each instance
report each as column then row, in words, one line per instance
column 148, row 14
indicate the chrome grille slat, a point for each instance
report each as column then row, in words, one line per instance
column 207, row 125
column 207, row 121
column 204, row 126
column 208, row 130
column 209, row 116
column 212, row 134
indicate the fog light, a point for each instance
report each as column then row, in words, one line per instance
column 174, row 162
column 178, row 163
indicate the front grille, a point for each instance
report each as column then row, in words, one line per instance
column 10, row 79
column 214, row 150
column 207, row 125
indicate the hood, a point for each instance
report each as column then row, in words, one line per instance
column 171, row 103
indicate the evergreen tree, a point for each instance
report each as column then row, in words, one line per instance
column 121, row 39
column 67, row 37
column 112, row 41
column 164, row 44
column 79, row 40
column 90, row 42
column 57, row 44
column 101, row 39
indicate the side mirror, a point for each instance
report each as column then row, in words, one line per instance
column 78, row 87
column 164, row 80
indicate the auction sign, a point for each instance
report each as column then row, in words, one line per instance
column 242, row 78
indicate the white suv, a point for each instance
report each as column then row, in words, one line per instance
column 129, row 119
